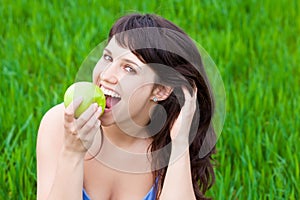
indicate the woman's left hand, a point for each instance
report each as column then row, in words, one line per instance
column 181, row 128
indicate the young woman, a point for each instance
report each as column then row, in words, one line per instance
column 146, row 143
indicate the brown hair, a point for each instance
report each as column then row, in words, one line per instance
column 159, row 49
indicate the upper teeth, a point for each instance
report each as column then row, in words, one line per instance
column 110, row 92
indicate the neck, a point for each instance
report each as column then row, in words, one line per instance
column 130, row 140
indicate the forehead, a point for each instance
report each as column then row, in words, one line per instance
column 120, row 52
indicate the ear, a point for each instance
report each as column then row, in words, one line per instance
column 161, row 92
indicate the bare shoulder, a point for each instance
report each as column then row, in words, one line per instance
column 52, row 120
column 50, row 132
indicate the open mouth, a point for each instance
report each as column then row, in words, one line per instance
column 112, row 98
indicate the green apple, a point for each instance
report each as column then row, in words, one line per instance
column 90, row 93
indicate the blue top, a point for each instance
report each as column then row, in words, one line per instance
column 150, row 196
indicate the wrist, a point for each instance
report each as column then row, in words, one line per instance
column 180, row 142
column 179, row 148
column 72, row 155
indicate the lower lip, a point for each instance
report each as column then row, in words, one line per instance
column 106, row 110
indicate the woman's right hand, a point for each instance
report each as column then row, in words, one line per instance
column 79, row 133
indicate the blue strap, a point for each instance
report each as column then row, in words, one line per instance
column 150, row 195
column 85, row 196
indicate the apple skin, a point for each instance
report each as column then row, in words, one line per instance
column 90, row 93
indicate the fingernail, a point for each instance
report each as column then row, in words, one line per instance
column 99, row 110
column 95, row 106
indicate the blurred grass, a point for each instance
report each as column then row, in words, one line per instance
column 255, row 45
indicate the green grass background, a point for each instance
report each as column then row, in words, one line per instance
column 255, row 44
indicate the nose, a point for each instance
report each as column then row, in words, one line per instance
column 109, row 74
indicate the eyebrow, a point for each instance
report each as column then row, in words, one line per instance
column 108, row 51
column 124, row 59
column 130, row 61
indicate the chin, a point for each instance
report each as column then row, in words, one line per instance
column 107, row 120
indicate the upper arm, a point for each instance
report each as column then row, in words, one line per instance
column 49, row 143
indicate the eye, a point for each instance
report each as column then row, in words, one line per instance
column 107, row 57
column 129, row 69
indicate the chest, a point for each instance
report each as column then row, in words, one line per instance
column 104, row 183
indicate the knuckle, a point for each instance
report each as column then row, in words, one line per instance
column 68, row 115
column 73, row 130
column 69, row 111
column 66, row 125
column 79, row 137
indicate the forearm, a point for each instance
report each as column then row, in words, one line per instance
column 68, row 180
column 178, row 181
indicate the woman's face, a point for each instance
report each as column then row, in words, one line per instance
column 128, row 85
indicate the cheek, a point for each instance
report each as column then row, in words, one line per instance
column 97, row 70
column 140, row 98
column 138, row 90
column 95, row 76
column 96, row 73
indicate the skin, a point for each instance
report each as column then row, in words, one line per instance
column 65, row 144
column 134, row 82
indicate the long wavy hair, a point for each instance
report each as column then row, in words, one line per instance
column 158, row 42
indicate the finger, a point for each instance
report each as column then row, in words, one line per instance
column 88, row 139
column 190, row 100
column 95, row 130
column 186, row 92
column 86, row 115
column 70, row 110
column 92, row 122
column 195, row 92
